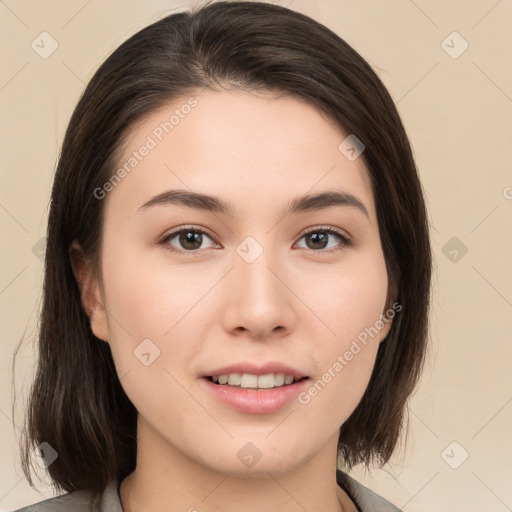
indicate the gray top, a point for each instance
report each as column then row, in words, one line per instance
column 82, row 501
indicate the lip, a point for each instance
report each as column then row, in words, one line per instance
column 254, row 401
column 248, row 367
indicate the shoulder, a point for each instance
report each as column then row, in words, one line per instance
column 365, row 499
column 77, row 501
column 84, row 501
column 80, row 501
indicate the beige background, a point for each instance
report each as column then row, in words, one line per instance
column 457, row 112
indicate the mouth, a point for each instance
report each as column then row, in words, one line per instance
column 253, row 381
column 251, row 393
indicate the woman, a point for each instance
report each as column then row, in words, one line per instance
column 237, row 274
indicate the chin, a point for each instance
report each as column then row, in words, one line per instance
column 248, row 463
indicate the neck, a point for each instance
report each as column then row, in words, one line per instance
column 166, row 479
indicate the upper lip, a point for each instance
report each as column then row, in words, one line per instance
column 263, row 369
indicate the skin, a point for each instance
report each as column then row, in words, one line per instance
column 292, row 304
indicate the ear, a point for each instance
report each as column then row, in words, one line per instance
column 387, row 327
column 386, row 319
column 391, row 307
column 90, row 291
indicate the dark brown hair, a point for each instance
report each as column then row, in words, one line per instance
column 77, row 404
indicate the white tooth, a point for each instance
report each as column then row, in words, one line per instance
column 278, row 379
column 234, row 379
column 266, row 381
column 249, row 381
column 288, row 379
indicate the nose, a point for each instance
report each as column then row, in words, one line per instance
column 259, row 299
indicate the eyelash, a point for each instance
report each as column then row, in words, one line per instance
column 345, row 241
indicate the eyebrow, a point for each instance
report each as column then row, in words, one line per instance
column 301, row 204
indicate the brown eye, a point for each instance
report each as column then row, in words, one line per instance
column 186, row 240
column 192, row 239
column 318, row 240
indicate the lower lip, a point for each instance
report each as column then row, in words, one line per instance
column 256, row 401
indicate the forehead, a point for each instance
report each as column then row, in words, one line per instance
column 256, row 149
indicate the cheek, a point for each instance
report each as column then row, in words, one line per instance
column 348, row 298
column 348, row 302
column 150, row 297
column 153, row 327
column 155, row 309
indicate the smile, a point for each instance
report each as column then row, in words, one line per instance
column 252, row 381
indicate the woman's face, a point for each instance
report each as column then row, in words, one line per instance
column 247, row 284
